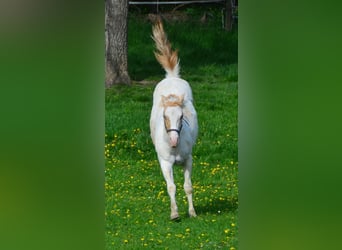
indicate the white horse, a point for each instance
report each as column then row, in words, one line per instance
column 173, row 121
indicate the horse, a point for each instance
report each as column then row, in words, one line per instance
column 173, row 120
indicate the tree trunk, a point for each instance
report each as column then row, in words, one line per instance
column 116, row 42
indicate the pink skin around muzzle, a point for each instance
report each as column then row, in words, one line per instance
column 173, row 138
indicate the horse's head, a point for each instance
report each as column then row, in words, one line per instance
column 173, row 115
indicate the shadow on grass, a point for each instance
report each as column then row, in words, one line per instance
column 217, row 206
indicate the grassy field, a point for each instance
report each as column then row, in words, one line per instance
column 137, row 204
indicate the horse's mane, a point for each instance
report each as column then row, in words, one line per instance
column 172, row 100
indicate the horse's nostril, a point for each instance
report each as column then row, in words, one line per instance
column 173, row 143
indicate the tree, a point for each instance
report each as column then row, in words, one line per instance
column 116, row 42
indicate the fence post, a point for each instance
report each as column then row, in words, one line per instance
column 229, row 19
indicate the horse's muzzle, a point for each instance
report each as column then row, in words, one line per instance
column 173, row 139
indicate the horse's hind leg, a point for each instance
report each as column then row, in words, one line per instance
column 188, row 185
column 171, row 187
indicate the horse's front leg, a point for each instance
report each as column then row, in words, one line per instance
column 167, row 170
column 188, row 185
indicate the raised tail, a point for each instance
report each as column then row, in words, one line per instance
column 167, row 58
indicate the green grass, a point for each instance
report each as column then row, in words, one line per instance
column 137, row 205
column 198, row 45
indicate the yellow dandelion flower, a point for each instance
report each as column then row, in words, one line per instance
column 160, row 193
column 226, row 231
column 125, row 241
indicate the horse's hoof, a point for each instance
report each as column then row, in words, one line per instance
column 175, row 217
column 192, row 213
column 178, row 219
